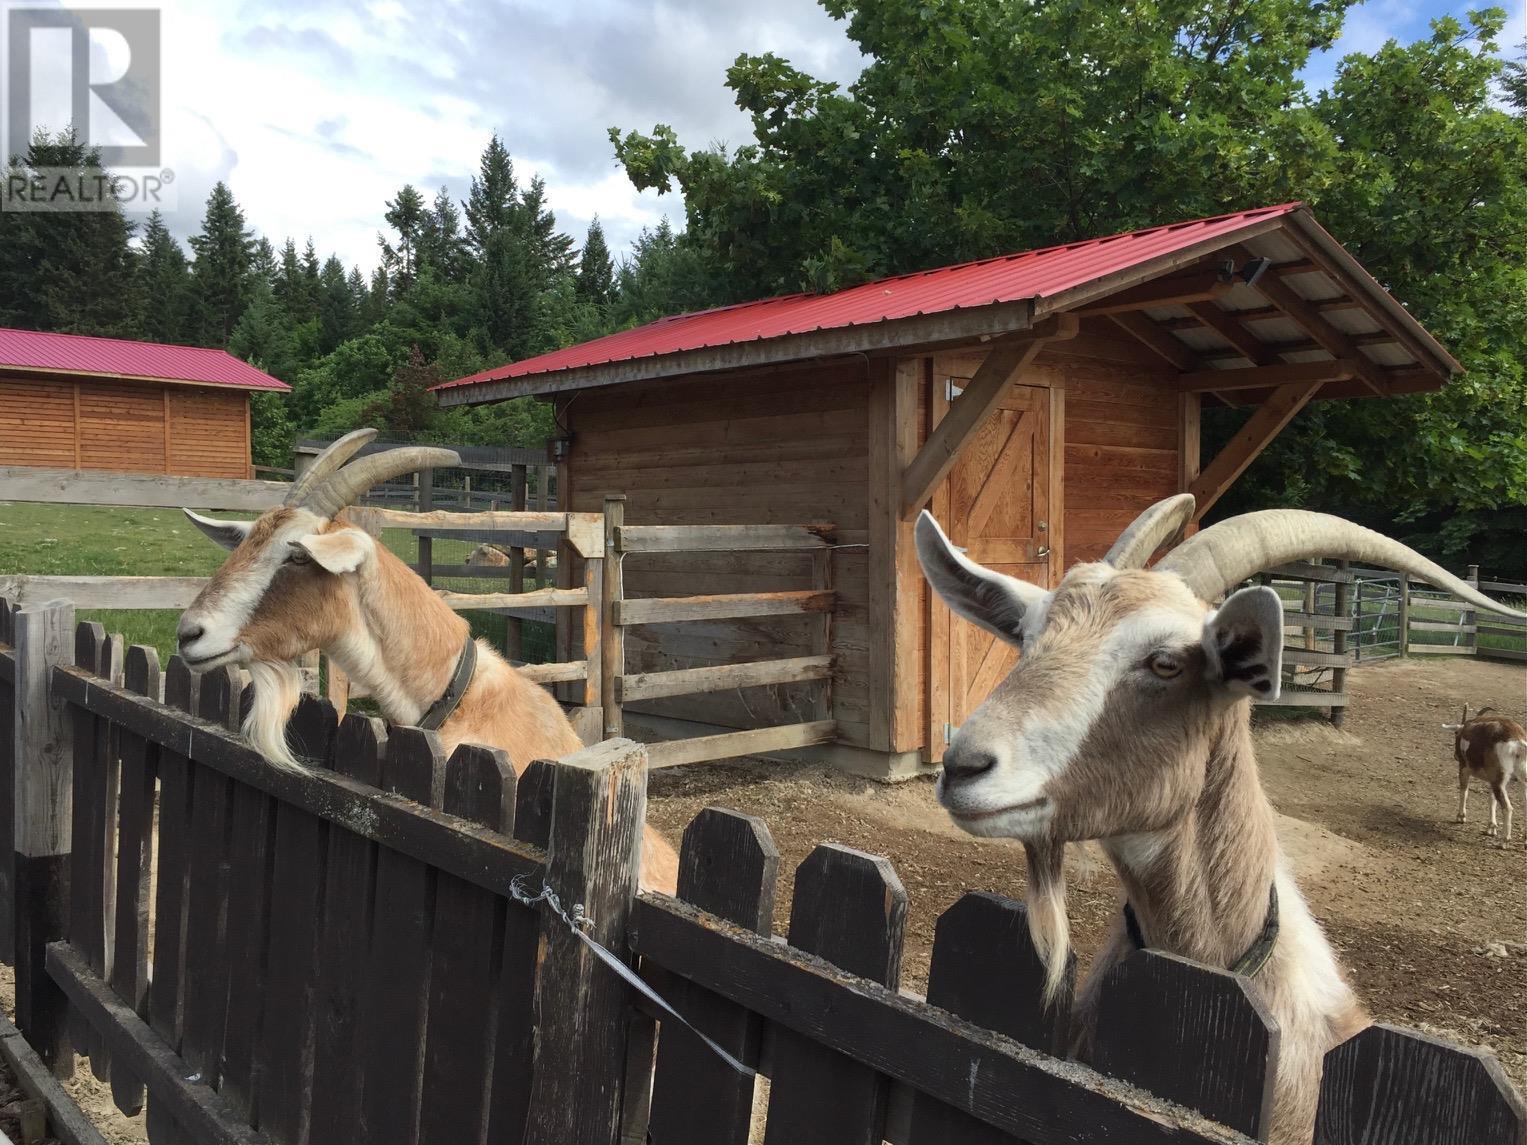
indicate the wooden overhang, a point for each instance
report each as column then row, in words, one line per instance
column 1270, row 315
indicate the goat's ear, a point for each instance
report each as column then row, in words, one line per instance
column 341, row 551
column 226, row 533
column 1243, row 639
column 985, row 598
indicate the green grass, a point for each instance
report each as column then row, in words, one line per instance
column 88, row 540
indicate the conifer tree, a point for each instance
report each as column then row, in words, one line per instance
column 336, row 306
column 596, row 271
column 405, row 215
column 164, row 283
column 493, row 203
column 222, row 271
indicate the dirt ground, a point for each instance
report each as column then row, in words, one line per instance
column 1411, row 900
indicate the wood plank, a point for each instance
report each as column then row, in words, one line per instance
column 986, row 970
column 204, row 1113
column 1338, row 344
column 1242, row 449
column 668, row 610
column 42, row 809
column 206, row 965
column 1292, row 618
column 98, row 487
column 165, row 999
column 520, row 601
column 1306, row 658
column 1306, row 698
column 732, row 745
column 481, row 857
column 850, row 909
column 1005, row 362
column 724, row 677
column 458, row 1052
column 393, row 1019
column 66, row 1120
column 721, row 538
column 553, row 673
column 1224, row 323
column 132, row 592
column 1159, row 341
column 1194, row 286
column 1199, row 1036
column 593, row 859
column 1265, row 377
column 728, row 867
column 129, row 974
column 954, row 1061
column 344, row 945
column 1391, row 1084
column 1442, row 649
column 297, row 874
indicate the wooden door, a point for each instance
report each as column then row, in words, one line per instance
column 995, row 505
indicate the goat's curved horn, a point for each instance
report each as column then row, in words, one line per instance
column 1223, row 555
column 1150, row 530
column 339, row 452
column 346, row 486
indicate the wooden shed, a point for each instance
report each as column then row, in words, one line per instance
column 1035, row 402
column 74, row 402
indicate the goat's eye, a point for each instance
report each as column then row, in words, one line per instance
column 298, row 557
column 1167, row 667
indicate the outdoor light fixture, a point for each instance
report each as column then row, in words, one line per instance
column 559, row 447
column 1253, row 269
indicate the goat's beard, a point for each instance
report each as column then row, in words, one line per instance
column 1049, row 926
column 277, row 689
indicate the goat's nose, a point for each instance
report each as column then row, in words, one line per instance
column 967, row 764
column 189, row 631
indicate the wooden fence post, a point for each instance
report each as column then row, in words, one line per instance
column 44, row 792
column 425, row 481
column 582, row 1007
column 612, row 645
column 514, row 627
column 1470, row 618
column 1404, row 614
column 1342, row 608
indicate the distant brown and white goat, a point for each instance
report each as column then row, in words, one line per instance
column 301, row 577
column 1492, row 748
column 487, row 556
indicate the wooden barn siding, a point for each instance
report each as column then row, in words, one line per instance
column 777, row 448
column 1122, row 435
column 208, row 434
column 37, row 423
column 126, row 426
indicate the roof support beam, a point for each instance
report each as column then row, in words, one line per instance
column 1266, row 377
column 1221, row 322
column 1284, row 297
column 1199, row 286
column 1162, row 344
column 1242, row 449
column 1007, row 358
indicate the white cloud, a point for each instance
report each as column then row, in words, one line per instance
column 317, row 111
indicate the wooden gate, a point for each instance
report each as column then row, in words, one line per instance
column 996, row 506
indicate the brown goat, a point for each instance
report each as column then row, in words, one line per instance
column 1492, row 748
column 301, row 577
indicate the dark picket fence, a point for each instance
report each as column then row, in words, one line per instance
column 254, row 956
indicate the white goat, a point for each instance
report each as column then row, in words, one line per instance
column 1492, row 748
column 1127, row 720
column 300, row 578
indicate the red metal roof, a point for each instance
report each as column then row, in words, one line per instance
column 118, row 358
column 1007, row 278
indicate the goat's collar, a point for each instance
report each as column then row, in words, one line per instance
column 1257, row 954
column 443, row 708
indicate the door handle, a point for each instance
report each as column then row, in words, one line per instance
column 1042, row 551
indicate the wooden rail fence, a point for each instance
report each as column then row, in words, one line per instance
column 349, row 955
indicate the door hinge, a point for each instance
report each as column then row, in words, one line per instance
column 952, row 389
column 949, row 730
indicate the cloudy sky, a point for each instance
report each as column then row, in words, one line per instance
column 316, row 111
